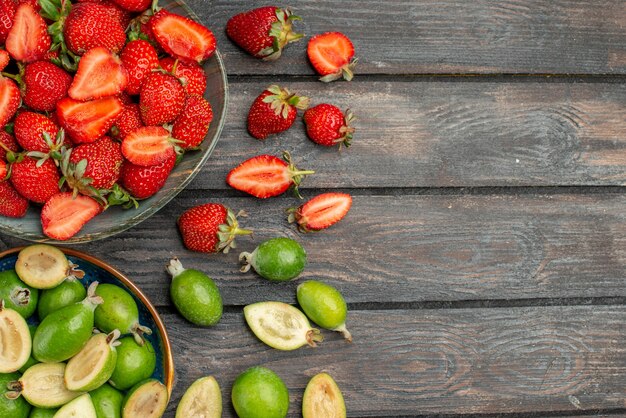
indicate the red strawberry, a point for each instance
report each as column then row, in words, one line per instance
column 139, row 58
column 326, row 125
column 274, row 111
column 64, row 215
column 142, row 182
column 118, row 13
column 266, row 176
column 193, row 123
column 210, row 228
column 90, row 25
column 7, row 141
column 133, row 5
column 45, row 84
column 161, row 100
column 9, row 100
column 149, row 145
column 4, row 59
column 331, row 55
column 88, row 121
column 12, row 204
column 263, row 32
column 104, row 162
column 321, row 212
column 192, row 73
column 28, row 39
column 181, row 37
column 128, row 121
column 30, row 131
column 34, row 3
column 7, row 14
column 37, row 184
column 99, row 74
column 4, row 170
column 125, row 98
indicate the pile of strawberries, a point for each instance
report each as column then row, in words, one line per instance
column 263, row 33
column 98, row 101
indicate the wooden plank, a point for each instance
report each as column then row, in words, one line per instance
column 446, row 36
column 461, row 361
column 440, row 134
column 405, row 249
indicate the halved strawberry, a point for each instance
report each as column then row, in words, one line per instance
column 99, row 74
column 148, row 145
column 321, row 212
column 12, row 204
column 64, row 215
column 266, row 176
column 331, row 55
column 4, row 169
column 9, row 100
column 28, row 39
column 4, row 59
column 181, row 37
column 88, row 121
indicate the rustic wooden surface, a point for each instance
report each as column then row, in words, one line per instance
column 484, row 259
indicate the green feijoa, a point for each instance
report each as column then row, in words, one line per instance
column 322, row 398
column 277, row 259
column 195, row 295
column 14, row 408
column 118, row 311
column 63, row 333
column 324, row 305
column 17, row 295
column 31, row 360
column 42, row 413
column 147, row 399
column 108, row 401
column 135, row 363
column 260, row 393
column 94, row 364
column 80, row 407
column 67, row 293
column 42, row 266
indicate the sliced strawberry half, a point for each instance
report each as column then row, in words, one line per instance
column 148, row 145
column 182, row 37
column 4, row 59
column 9, row 100
column 64, row 215
column 266, row 176
column 321, row 212
column 100, row 73
column 331, row 55
column 88, row 121
column 28, row 39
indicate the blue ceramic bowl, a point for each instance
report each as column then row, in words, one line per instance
column 97, row 270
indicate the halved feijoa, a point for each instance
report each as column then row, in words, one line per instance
column 203, row 399
column 324, row 305
column 42, row 386
column 94, row 364
column 323, row 399
column 17, row 295
column 14, row 408
column 15, row 343
column 81, row 407
column 70, row 291
column 42, row 266
column 147, row 399
column 280, row 325
column 108, row 401
column 134, row 363
column 118, row 311
column 31, row 360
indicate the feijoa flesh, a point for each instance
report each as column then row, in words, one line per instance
column 42, row 266
column 15, row 342
column 260, row 393
column 81, row 407
column 42, row 386
column 17, row 295
column 108, row 401
column 134, row 363
column 14, row 407
column 70, row 291
column 322, row 398
column 147, row 399
column 324, row 305
column 202, row 399
column 118, row 311
column 277, row 259
column 94, row 364
column 31, row 360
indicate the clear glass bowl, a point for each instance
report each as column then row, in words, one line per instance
column 115, row 219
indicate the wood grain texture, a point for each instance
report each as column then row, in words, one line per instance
column 419, row 133
column 448, row 36
column 463, row 361
column 405, row 249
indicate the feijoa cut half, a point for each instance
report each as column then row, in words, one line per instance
column 42, row 266
column 108, row 401
column 17, row 295
column 42, row 386
column 280, row 325
column 118, row 311
column 135, row 363
column 15, row 343
column 147, row 399
column 81, row 407
column 94, row 364
column 324, row 305
column 203, row 399
column 277, row 259
column 323, row 399
column 70, row 291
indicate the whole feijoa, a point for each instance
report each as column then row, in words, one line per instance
column 324, row 305
column 260, row 393
column 70, row 291
column 14, row 408
column 135, row 362
column 17, row 295
column 108, row 401
column 118, row 311
column 277, row 259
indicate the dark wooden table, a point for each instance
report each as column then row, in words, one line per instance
column 484, row 259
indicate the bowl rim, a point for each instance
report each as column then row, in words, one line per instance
column 168, row 359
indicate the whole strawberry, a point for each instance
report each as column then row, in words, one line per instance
column 28, row 39
column 128, row 121
column 326, row 125
column 274, row 111
column 193, row 123
column 139, row 58
column 210, row 228
column 5, row 58
column 7, row 142
column 44, row 85
column 90, row 25
column 118, row 13
column 263, row 32
column 12, row 204
column 142, row 182
column 103, row 165
column 35, row 182
column 192, row 73
column 162, row 98
column 9, row 100
column 7, row 14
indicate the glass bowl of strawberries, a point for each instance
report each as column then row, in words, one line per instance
column 109, row 110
